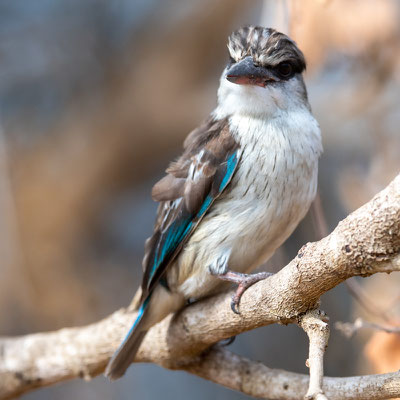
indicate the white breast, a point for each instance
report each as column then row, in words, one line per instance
column 275, row 184
column 270, row 193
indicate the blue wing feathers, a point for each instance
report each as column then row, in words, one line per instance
column 180, row 229
column 230, row 169
column 175, row 235
column 141, row 311
column 204, row 206
column 123, row 357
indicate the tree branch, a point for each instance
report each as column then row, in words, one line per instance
column 257, row 380
column 315, row 324
column 349, row 329
column 366, row 242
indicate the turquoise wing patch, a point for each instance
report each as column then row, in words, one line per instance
column 180, row 229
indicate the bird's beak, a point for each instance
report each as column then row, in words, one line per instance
column 246, row 73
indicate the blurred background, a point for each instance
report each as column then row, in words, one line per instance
column 97, row 96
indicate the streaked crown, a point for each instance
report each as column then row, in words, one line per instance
column 267, row 47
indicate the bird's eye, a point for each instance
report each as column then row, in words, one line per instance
column 285, row 70
column 231, row 60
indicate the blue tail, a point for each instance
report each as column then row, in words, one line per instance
column 126, row 352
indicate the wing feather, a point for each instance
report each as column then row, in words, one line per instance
column 192, row 184
column 168, row 188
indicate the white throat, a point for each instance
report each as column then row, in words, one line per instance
column 275, row 117
column 260, row 102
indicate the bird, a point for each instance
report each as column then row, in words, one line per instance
column 245, row 179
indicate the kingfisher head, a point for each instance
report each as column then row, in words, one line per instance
column 263, row 74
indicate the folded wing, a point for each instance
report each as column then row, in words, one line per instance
column 192, row 184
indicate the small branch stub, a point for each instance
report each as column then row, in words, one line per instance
column 348, row 329
column 315, row 324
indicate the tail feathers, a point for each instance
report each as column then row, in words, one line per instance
column 124, row 356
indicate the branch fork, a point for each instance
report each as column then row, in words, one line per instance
column 368, row 240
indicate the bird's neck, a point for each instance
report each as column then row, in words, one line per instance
column 292, row 130
column 269, row 117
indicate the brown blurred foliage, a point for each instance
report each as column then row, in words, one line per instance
column 61, row 185
column 351, row 27
column 152, row 95
column 383, row 351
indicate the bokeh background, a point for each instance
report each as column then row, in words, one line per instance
column 96, row 97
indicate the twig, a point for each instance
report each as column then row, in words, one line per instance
column 349, row 329
column 357, row 291
column 315, row 324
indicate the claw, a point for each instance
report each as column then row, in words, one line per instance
column 228, row 341
column 235, row 305
column 244, row 281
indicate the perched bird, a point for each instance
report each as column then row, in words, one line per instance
column 246, row 177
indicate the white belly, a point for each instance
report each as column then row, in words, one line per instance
column 270, row 193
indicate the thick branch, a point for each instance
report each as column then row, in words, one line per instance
column 366, row 242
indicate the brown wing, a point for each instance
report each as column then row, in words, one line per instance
column 192, row 184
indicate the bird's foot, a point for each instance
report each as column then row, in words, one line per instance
column 227, row 342
column 247, row 281
column 244, row 281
